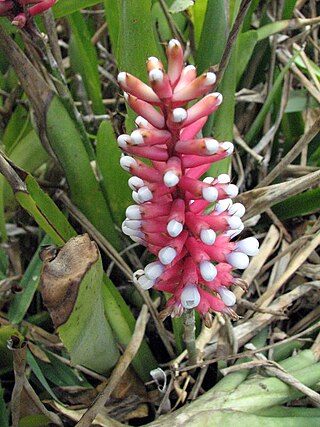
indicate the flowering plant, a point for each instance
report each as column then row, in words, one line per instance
column 18, row 13
column 174, row 215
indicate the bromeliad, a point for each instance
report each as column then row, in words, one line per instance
column 187, row 223
column 18, row 12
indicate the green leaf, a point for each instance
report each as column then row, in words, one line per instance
column 199, row 13
column 45, row 212
column 4, row 412
column 180, row 5
column 299, row 205
column 115, row 179
column 136, row 42
column 66, row 7
column 246, row 43
column 86, row 333
column 34, row 421
column 39, row 375
column 258, row 122
column 212, row 43
column 300, row 100
column 29, row 283
column 122, row 323
column 60, row 374
column 83, row 58
column 112, row 18
column 85, row 191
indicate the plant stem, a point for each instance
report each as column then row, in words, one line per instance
column 189, row 335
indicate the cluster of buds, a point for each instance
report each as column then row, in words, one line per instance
column 187, row 223
column 19, row 14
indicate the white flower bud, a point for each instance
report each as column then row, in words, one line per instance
column 174, row 228
column 208, row 270
column 167, row 255
column 190, row 296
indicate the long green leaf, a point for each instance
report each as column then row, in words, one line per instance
column 302, row 204
column 84, row 188
column 115, row 179
column 258, row 122
column 66, row 7
column 212, row 43
column 29, row 283
column 83, row 58
column 122, row 323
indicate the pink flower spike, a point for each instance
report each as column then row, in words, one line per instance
column 42, row 6
column 227, row 296
column 138, row 168
column 190, row 131
column 154, row 63
column 190, row 296
column 172, row 172
column 146, row 110
column 160, row 84
column 149, row 137
column 5, row 6
column 175, row 61
column 188, row 74
column 196, row 88
column 173, row 216
column 204, row 107
column 136, row 87
column 19, row 20
column 199, row 147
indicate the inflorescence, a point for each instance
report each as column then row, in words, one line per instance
column 187, row 223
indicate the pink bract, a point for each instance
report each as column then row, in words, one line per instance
column 186, row 222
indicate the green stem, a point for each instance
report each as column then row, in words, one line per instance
column 189, row 335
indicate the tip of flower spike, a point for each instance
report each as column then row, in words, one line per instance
column 208, row 271
column 228, row 147
column 133, row 212
column 174, row 228
column 179, row 115
column 136, row 137
column 210, row 194
column 173, row 43
column 218, row 96
column 208, row 236
column 249, row 246
column 134, row 224
column 227, row 296
column 170, row 179
column 237, row 210
column 144, row 194
column 233, row 233
column 135, row 183
column 167, row 255
column 122, row 141
column 145, row 283
column 190, row 296
column 223, row 205
column 122, row 77
column 234, row 222
column 223, row 178
column 232, row 191
column 141, row 122
column 126, row 162
column 212, row 146
column 210, row 78
column 238, row 260
column 156, row 75
column 130, row 232
column 135, row 197
column 153, row 270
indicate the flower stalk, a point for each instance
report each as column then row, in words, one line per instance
column 188, row 223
